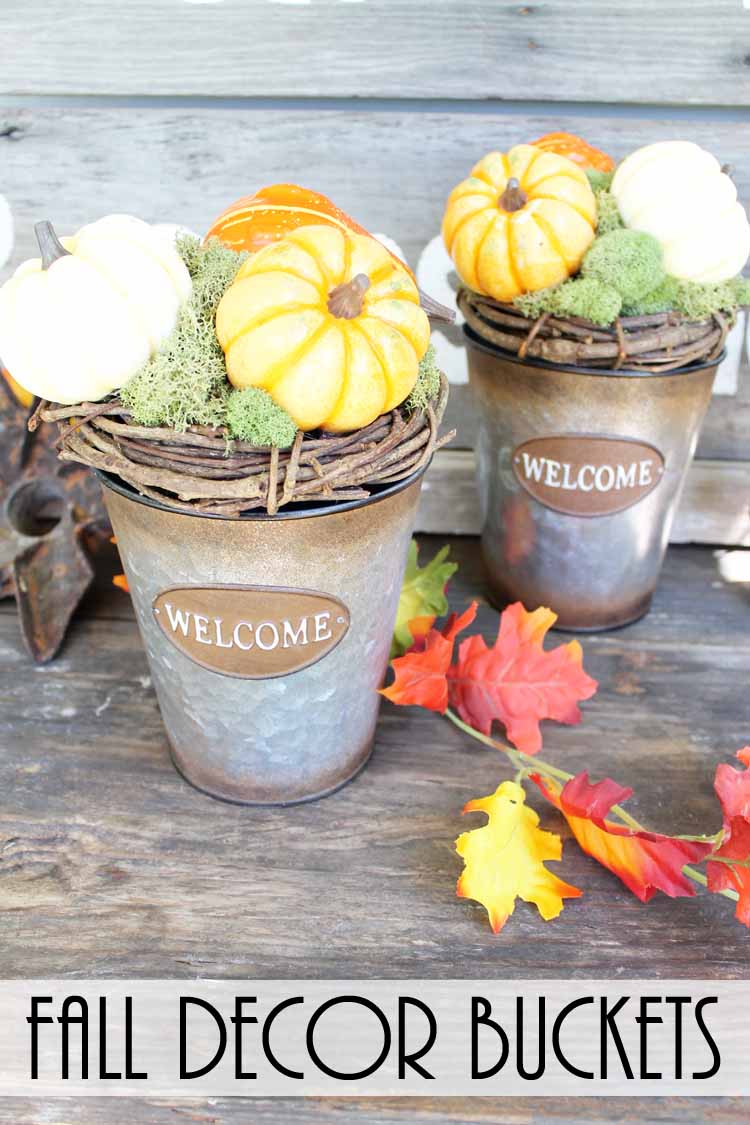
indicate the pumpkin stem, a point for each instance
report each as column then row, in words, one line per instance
column 49, row 244
column 345, row 301
column 514, row 197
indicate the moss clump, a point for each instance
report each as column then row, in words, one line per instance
column 427, row 386
column 253, row 416
column 600, row 181
column 533, row 305
column 584, row 297
column 693, row 299
column 629, row 261
column 608, row 216
column 186, row 382
column 588, row 298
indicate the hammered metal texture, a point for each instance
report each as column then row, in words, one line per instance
column 594, row 572
column 299, row 736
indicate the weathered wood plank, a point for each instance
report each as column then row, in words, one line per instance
column 75, row 164
column 678, row 51
column 379, row 1111
column 715, row 506
column 391, row 169
column 112, row 865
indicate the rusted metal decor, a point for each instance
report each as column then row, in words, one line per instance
column 52, row 521
column 267, row 636
column 580, row 472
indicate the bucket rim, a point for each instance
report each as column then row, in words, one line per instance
column 117, row 485
column 476, row 341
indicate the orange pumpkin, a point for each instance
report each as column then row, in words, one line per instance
column 256, row 220
column 328, row 323
column 577, row 150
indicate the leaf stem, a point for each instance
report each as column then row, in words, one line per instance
column 526, row 763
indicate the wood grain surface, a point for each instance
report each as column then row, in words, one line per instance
column 676, row 51
column 112, row 866
column 714, row 508
column 392, row 169
column 167, row 164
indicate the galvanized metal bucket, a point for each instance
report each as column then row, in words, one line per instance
column 580, row 472
column 267, row 637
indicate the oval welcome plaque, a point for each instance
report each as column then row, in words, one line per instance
column 587, row 475
column 251, row 632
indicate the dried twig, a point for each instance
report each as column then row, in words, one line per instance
column 203, row 470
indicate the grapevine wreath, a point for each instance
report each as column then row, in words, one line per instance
column 283, row 359
column 565, row 258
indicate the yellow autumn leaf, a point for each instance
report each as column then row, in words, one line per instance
column 505, row 859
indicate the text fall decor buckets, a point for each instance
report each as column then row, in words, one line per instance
column 580, row 472
column 267, row 636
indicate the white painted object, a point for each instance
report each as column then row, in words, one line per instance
column 6, row 231
column 82, row 328
column 437, row 276
column 727, row 377
column 677, row 192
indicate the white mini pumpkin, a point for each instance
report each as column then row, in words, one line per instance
column 77, row 323
column 677, row 192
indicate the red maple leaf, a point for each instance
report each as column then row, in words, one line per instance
column 421, row 674
column 516, row 681
column 733, row 790
column 646, row 862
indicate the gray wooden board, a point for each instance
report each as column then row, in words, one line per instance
column 688, row 51
column 714, row 507
column 391, row 169
column 112, row 866
column 375, row 1111
column 379, row 1111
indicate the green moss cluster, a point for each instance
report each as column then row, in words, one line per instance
column 186, row 382
column 628, row 261
column 253, row 416
column 693, row 299
column 607, row 212
column 600, row 181
column 579, row 296
column 427, row 386
column 588, row 298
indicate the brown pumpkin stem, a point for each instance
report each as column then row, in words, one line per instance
column 49, row 244
column 345, row 301
column 514, row 197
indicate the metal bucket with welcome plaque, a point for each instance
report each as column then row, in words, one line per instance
column 267, row 637
column 580, row 472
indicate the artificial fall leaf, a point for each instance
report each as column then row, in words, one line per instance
column 422, row 598
column 733, row 790
column 504, row 860
column 516, row 681
column 421, row 675
column 646, row 862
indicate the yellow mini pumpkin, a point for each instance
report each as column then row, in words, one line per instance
column 522, row 221
column 328, row 323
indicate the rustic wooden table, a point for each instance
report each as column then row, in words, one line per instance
column 113, row 867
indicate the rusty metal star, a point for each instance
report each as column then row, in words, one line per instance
column 52, row 520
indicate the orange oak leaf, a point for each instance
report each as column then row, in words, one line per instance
column 646, row 862
column 732, row 787
column 504, row 859
column 517, row 681
column 421, row 674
